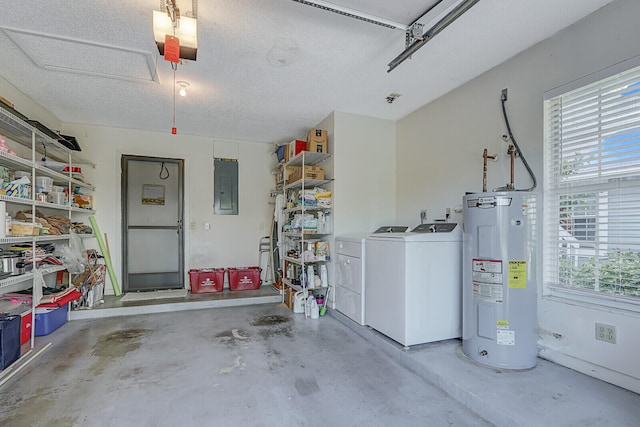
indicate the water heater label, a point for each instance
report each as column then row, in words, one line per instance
column 517, row 274
column 506, row 337
column 487, row 280
column 487, row 292
column 487, row 266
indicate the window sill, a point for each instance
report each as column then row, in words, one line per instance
column 593, row 300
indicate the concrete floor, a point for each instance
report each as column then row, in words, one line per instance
column 261, row 365
column 238, row 366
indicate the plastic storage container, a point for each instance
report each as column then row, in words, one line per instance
column 244, row 278
column 56, row 197
column 22, row 174
column 50, row 319
column 9, row 340
column 206, row 280
column 44, row 184
column 25, row 326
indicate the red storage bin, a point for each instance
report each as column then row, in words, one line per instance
column 26, row 324
column 244, row 278
column 206, row 280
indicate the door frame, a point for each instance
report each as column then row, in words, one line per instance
column 124, row 171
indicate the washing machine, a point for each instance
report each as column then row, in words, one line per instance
column 414, row 283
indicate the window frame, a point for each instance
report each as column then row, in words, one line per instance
column 552, row 289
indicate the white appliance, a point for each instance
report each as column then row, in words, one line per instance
column 350, row 276
column 499, row 289
column 414, row 280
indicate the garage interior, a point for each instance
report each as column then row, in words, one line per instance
column 421, row 104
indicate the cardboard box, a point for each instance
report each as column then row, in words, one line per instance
column 295, row 147
column 310, row 172
column 284, row 171
column 317, row 141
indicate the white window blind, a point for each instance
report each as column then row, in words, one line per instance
column 592, row 188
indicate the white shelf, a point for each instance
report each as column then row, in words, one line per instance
column 22, row 132
column 14, row 280
column 306, row 208
column 298, row 261
column 307, row 158
column 307, row 183
column 64, row 207
column 300, row 288
column 18, row 200
column 307, row 233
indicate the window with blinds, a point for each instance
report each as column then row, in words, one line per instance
column 592, row 188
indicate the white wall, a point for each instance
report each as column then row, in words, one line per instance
column 365, row 173
column 232, row 239
column 27, row 106
column 364, row 169
column 440, row 157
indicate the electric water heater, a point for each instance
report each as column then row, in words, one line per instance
column 499, row 325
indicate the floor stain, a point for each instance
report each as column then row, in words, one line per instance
column 132, row 373
column 115, row 345
column 31, row 412
column 283, row 330
column 271, row 320
column 307, row 386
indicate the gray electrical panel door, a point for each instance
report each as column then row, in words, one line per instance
column 225, row 184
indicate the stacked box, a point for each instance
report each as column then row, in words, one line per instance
column 295, row 147
column 317, row 141
column 310, row 172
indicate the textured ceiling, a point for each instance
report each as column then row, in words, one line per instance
column 267, row 70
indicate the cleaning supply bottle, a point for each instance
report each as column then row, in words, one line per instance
column 311, row 283
column 323, row 276
column 313, row 309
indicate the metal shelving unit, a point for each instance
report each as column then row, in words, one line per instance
column 15, row 128
column 303, row 236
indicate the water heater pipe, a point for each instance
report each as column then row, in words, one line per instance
column 485, row 156
column 512, row 154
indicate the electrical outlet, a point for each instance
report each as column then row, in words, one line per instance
column 503, row 96
column 423, row 215
column 606, row 333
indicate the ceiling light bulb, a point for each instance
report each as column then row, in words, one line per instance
column 183, row 88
